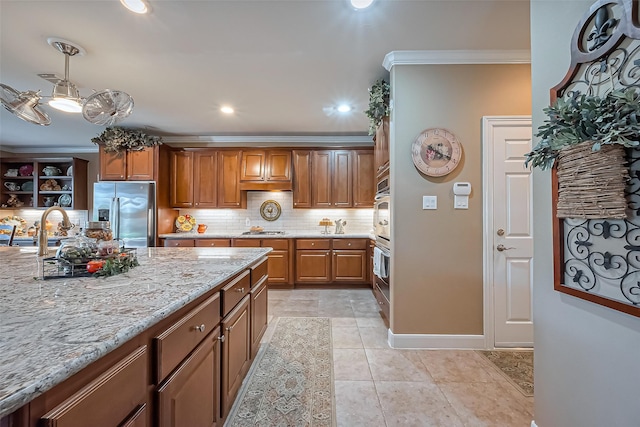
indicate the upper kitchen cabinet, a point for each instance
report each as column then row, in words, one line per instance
column 265, row 170
column 205, row 178
column 333, row 178
column 381, row 147
column 44, row 182
column 140, row 165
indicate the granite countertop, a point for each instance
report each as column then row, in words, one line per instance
column 286, row 235
column 51, row 329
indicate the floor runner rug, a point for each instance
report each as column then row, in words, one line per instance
column 291, row 381
column 515, row 365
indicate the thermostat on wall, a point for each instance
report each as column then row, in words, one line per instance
column 461, row 191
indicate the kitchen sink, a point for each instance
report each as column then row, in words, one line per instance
column 264, row 232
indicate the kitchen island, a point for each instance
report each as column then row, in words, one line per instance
column 51, row 330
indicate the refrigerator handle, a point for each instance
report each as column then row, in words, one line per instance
column 115, row 217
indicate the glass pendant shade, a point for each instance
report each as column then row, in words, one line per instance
column 65, row 97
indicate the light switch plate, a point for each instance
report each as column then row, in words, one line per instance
column 429, row 202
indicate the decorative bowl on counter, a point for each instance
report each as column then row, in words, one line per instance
column 185, row 223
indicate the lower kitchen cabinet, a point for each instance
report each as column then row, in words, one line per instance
column 280, row 262
column 313, row 261
column 190, row 395
column 181, row 243
column 236, row 352
column 349, row 263
column 123, row 386
column 328, row 261
column 259, row 314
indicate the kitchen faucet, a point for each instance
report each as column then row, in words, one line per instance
column 42, row 238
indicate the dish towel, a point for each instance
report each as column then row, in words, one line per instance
column 377, row 261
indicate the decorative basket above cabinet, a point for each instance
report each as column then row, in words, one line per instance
column 43, row 182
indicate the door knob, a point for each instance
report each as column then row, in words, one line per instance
column 502, row 248
column 500, row 232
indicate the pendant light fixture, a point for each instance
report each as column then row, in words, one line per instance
column 106, row 107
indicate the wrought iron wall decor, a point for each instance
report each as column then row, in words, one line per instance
column 599, row 260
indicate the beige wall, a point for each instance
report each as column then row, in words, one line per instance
column 437, row 254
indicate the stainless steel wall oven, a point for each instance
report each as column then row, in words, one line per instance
column 382, row 230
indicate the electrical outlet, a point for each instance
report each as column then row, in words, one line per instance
column 429, row 202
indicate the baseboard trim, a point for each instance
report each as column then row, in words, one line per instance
column 435, row 341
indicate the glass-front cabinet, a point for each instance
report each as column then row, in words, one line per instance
column 43, row 182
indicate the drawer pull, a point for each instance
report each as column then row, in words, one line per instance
column 199, row 328
column 221, row 338
column 349, row 244
column 240, row 290
column 313, row 244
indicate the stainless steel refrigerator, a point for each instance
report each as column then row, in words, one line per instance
column 131, row 208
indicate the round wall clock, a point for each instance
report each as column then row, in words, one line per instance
column 436, row 152
column 270, row 210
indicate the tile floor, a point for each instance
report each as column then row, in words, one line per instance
column 376, row 385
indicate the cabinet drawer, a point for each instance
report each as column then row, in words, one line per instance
column 258, row 271
column 313, row 244
column 382, row 303
column 175, row 343
column 349, row 244
column 247, row 243
column 174, row 243
column 221, row 243
column 282, row 244
column 235, row 291
column 107, row 400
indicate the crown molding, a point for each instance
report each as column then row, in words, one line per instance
column 424, row 57
column 47, row 149
column 271, row 140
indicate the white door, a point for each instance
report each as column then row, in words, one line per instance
column 508, row 231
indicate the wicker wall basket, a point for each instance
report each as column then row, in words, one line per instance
column 591, row 183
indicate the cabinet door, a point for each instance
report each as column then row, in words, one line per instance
column 210, row 243
column 181, row 187
column 342, row 179
column 381, row 147
column 278, row 166
column 113, row 166
column 321, row 163
column 229, row 195
column 259, row 315
column 301, row 179
column 179, row 243
column 253, row 166
column 349, row 265
column 278, row 266
column 124, row 387
column 141, row 164
column 205, row 189
column 363, row 179
column 190, row 396
column 236, row 354
column 313, row 266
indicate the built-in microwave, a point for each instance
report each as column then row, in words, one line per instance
column 382, row 216
column 383, row 186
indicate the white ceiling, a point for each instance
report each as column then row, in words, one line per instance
column 279, row 63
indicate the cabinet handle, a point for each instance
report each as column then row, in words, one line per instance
column 221, row 338
column 349, row 244
column 240, row 290
column 213, row 244
column 229, row 328
column 199, row 328
column 313, row 244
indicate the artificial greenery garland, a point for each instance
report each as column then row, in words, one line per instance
column 116, row 139
column 378, row 104
column 612, row 119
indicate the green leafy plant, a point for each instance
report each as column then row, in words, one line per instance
column 116, row 139
column 378, row 104
column 117, row 265
column 612, row 119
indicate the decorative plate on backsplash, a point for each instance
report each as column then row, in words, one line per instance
column 185, row 223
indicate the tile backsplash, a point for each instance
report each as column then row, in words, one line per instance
column 292, row 220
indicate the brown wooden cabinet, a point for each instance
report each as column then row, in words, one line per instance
column 66, row 184
column 265, row 170
column 363, row 179
column 327, row 261
column 236, row 352
column 206, row 179
column 190, row 395
column 259, row 314
column 124, row 386
column 381, row 147
column 302, row 178
column 129, row 165
column 280, row 264
column 333, row 178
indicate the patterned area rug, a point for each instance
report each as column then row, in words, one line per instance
column 515, row 365
column 291, row 381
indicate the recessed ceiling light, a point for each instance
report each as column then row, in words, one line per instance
column 361, row 4
column 227, row 110
column 136, row 6
column 344, row 108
